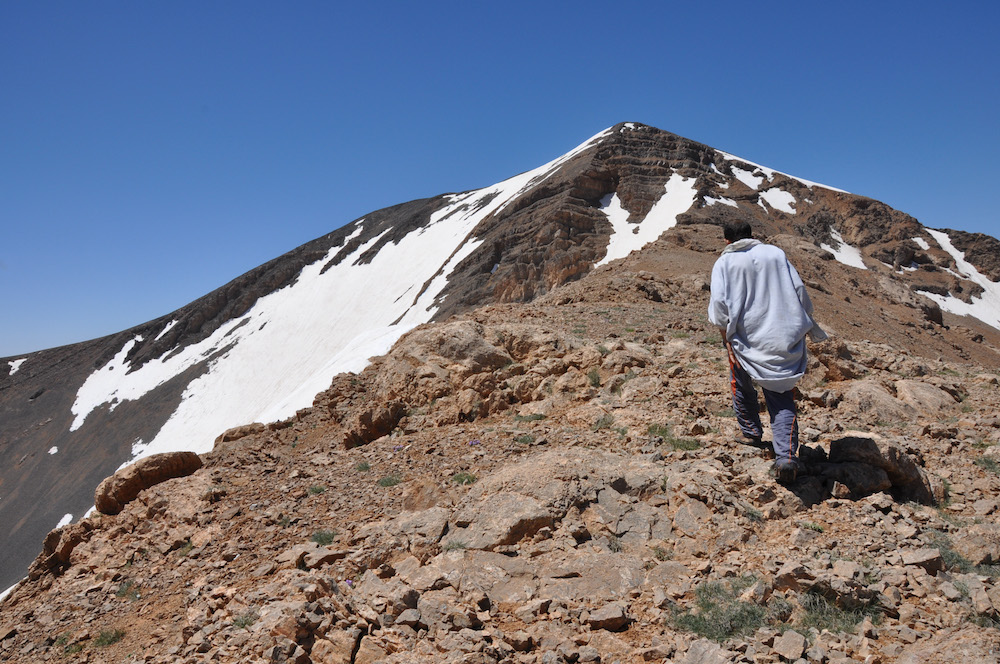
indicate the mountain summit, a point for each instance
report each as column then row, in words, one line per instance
column 260, row 348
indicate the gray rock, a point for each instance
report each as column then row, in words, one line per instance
column 790, row 645
column 611, row 617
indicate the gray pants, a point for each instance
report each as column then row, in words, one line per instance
column 780, row 407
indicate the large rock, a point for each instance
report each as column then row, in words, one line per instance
column 926, row 399
column 121, row 488
column 908, row 480
column 979, row 543
column 868, row 396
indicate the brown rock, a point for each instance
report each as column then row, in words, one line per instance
column 790, row 645
column 118, row 490
column 611, row 617
column 928, row 559
column 979, row 543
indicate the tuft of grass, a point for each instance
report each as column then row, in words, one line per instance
column 988, row 464
column 317, row 489
column 245, row 619
column 185, row 550
column 363, row 467
column 665, row 431
column 463, row 478
column 603, row 422
column 662, row 554
column 719, row 614
column 73, row 649
column 109, row 636
column 811, row 525
column 603, row 350
column 324, row 537
column 820, row 613
column 455, row 545
column 594, row 377
column 129, row 590
column 534, row 417
column 525, row 439
column 390, row 480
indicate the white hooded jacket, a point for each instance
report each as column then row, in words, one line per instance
column 759, row 298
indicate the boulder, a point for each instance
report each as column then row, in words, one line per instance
column 121, row 488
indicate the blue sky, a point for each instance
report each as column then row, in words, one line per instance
column 152, row 151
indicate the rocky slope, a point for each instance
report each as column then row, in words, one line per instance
column 261, row 346
column 558, row 481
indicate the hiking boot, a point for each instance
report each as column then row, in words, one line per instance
column 785, row 471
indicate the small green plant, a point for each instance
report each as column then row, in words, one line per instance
column 534, row 417
column 463, row 478
column 109, row 636
column 129, row 590
column 594, row 377
column 811, row 525
column 245, row 619
column 363, row 467
column 390, row 480
column 713, row 340
column 285, row 521
column 754, row 514
column 615, row 544
column 680, row 334
column 525, row 439
column 186, row 549
column 726, row 412
column 317, row 489
column 603, row 422
column 988, row 464
column 658, row 430
column 603, row 350
column 73, row 649
column 455, row 545
column 821, row 614
column 324, row 537
column 719, row 614
column 662, row 554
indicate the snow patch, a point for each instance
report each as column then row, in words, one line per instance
column 165, row 330
column 770, row 173
column 779, row 199
column 678, row 196
column 985, row 307
column 922, row 243
column 10, row 590
column 15, row 365
column 65, row 521
column 53, row 450
column 721, row 200
column 748, row 178
column 844, row 252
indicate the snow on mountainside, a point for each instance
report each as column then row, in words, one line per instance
column 260, row 348
column 273, row 360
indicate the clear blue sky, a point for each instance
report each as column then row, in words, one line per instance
column 152, row 151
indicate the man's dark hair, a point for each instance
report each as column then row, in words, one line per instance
column 736, row 230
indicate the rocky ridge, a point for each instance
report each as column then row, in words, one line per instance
column 559, row 481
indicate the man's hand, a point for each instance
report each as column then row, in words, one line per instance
column 733, row 362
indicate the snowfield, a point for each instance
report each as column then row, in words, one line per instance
column 985, row 307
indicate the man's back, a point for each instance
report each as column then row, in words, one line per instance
column 759, row 298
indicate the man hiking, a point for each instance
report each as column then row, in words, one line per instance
column 763, row 313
